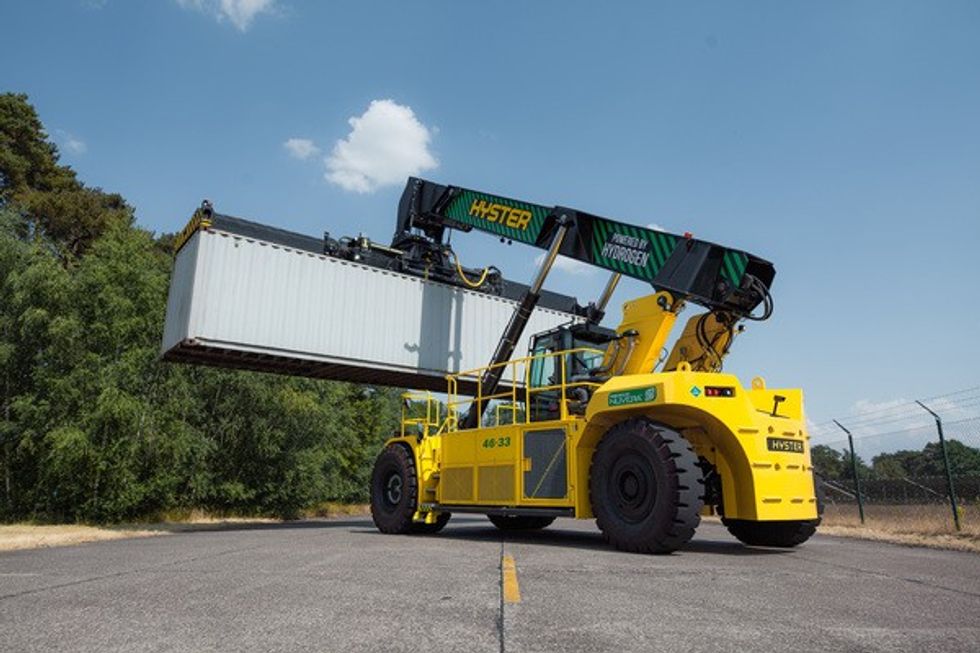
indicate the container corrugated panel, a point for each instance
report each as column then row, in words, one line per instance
column 245, row 303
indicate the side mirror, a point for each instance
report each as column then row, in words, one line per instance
column 776, row 400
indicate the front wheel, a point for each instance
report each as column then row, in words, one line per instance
column 394, row 490
column 646, row 487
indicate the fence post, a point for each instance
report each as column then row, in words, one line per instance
column 854, row 470
column 949, row 472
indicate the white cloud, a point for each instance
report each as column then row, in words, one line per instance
column 70, row 143
column 865, row 407
column 301, row 148
column 385, row 145
column 655, row 227
column 893, row 417
column 567, row 265
column 896, row 414
column 240, row 13
column 76, row 146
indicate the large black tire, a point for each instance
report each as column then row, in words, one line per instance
column 646, row 487
column 394, row 490
column 431, row 529
column 520, row 522
column 781, row 534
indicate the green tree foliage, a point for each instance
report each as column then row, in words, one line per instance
column 48, row 196
column 73, row 218
column 894, row 465
column 836, row 464
column 92, row 425
column 28, row 162
column 828, row 461
column 963, row 461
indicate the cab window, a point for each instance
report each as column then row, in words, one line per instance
column 543, row 366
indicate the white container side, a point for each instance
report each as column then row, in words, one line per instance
column 236, row 293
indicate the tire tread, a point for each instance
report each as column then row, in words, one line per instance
column 399, row 521
column 685, row 483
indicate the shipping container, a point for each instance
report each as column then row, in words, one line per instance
column 246, row 296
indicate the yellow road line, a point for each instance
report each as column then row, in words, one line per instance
column 508, row 570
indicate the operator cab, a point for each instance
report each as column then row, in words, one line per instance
column 585, row 344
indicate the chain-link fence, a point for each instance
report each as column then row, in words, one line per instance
column 923, row 478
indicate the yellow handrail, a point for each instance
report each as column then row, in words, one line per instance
column 512, row 407
column 433, row 413
column 563, row 386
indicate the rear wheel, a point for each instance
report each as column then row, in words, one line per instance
column 520, row 522
column 782, row 534
column 394, row 490
column 646, row 487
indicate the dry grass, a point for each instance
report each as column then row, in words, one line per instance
column 32, row 536
column 330, row 510
column 190, row 519
column 928, row 525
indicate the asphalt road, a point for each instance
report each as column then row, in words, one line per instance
column 341, row 586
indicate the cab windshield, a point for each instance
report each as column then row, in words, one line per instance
column 580, row 364
column 545, row 369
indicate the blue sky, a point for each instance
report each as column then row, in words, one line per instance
column 839, row 140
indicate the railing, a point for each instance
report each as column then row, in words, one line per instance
column 518, row 391
column 513, row 408
column 424, row 425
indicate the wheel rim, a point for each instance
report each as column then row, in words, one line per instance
column 393, row 489
column 632, row 487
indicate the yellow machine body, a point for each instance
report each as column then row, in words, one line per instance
column 526, row 457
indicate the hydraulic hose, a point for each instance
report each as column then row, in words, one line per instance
column 462, row 275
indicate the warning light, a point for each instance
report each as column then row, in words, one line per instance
column 719, row 391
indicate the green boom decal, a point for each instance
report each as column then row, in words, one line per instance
column 733, row 266
column 637, row 252
column 642, row 253
column 634, row 251
column 499, row 215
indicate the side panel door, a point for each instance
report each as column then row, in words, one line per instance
column 545, row 463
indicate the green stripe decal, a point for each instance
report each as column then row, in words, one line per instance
column 499, row 215
column 629, row 249
column 733, row 267
column 668, row 243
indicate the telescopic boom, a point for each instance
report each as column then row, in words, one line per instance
column 719, row 278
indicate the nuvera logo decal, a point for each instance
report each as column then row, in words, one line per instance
column 637, row 396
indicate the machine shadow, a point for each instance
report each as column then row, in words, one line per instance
column 299, row 524
column 476, row 529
